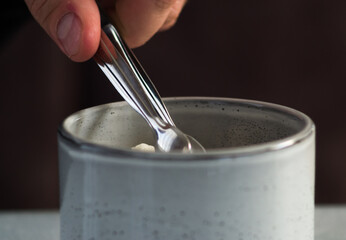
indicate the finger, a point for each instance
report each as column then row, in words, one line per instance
column 139, row 20
column 173, row 15
column 74, row 25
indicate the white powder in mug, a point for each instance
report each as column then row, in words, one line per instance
column 144, row 147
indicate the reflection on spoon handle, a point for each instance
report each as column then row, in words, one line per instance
column 114, row 51
column 122, row 75
column 144, row 79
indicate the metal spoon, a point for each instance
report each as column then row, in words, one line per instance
column 123, row 70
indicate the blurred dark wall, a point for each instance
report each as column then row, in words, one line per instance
column 290, row 52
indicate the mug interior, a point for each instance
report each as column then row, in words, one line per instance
column 217, row 123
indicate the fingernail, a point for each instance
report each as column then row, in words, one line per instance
column 69, row 32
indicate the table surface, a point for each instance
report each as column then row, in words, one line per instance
column 330, row 224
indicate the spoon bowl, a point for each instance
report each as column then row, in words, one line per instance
column 174, row 140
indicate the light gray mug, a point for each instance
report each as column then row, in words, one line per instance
column 256, row 181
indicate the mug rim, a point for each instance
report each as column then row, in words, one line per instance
column 213, row 154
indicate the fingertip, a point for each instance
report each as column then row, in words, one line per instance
column 173, row 15
column 90, row 39
column 139, row 20
column 167, row 25
column 91, row 32
column 77, row 31
column 135, row 41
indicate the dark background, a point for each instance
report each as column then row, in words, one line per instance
column 290, row 52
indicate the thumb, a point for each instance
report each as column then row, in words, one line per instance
column 74, row 25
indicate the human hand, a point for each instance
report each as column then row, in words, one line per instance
column 74, row 25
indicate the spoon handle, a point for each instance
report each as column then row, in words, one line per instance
column 127, row 75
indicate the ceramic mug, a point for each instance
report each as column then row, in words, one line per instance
column 256, row 180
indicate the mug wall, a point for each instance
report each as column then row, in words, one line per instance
column 255, row 193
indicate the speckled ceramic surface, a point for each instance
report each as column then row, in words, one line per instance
column 330, row 223
column 255, row 182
